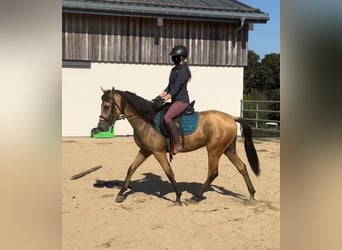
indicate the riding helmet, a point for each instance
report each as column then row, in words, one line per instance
column 179, row 50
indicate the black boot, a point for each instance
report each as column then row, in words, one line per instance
column 177, row 146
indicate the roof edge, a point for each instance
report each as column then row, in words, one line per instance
column 164, row 12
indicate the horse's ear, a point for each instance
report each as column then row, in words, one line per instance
column 102, row 89
column 113, row 89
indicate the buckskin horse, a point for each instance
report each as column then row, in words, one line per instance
column 217, row 131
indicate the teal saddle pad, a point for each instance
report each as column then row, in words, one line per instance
column 189, row 122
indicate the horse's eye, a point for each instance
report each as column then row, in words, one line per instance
column 106, row 105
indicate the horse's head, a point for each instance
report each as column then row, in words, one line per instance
column 110, row 109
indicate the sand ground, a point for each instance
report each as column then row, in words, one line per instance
column 148, row 219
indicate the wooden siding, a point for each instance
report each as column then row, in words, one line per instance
column 124, row 39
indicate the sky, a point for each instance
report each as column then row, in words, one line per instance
column 265, row 38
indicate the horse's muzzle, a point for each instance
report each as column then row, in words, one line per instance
column 103, row 125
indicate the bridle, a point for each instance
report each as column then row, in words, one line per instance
column 114, row 106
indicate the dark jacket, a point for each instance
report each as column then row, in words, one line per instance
column 178, row 82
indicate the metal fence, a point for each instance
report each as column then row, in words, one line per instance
column 263, row 116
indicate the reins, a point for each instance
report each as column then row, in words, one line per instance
column 122, row 116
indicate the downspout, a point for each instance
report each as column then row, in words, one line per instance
column 242, row 23
column 160, row 25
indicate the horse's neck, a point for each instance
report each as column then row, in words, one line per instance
column 136, row 121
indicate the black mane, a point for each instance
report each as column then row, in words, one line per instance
column 142, row 107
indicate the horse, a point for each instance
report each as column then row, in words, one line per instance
column 217, row 131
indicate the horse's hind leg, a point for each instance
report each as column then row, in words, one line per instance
column 241, row 167
column 139, row 159
column 213, row 160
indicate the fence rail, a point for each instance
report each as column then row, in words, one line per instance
column 263, row 116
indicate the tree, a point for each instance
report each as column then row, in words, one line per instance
column 270, row 76
column 262, row 80
column 250, row 77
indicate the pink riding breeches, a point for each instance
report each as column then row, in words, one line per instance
column 175, row 109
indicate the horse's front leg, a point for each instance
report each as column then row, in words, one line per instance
column 139, row 159
column 162, row 159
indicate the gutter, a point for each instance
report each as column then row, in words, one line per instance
column 166, row 12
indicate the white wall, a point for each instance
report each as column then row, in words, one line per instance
column 212, row 87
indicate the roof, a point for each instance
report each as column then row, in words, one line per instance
column 208, row 10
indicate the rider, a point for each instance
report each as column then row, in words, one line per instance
column 177, row 91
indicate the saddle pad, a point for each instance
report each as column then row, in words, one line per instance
column 189, row 123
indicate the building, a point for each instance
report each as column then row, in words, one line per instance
column 125, row 44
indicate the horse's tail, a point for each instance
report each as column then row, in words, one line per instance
column 249, row 146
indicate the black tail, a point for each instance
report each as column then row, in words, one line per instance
column 249, row 146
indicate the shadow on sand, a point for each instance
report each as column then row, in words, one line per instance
column 153, row 184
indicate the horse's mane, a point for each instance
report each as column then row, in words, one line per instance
column 143, row 108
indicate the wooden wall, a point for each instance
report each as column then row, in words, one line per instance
column 101, row 38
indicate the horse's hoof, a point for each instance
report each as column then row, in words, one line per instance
column 194, row 200
column 198, row 198
column 120, row 198
column 250, row 202
column 190, row 202
column 177, row 203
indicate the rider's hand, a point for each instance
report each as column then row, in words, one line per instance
column 167, row 97
column 163, row 94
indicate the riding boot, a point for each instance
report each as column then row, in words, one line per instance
column 177, row 146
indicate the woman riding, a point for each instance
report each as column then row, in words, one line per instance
column 177, row 91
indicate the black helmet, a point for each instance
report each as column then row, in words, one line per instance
column 179, row 50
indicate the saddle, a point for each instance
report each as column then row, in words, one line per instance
column 186, row 123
